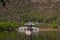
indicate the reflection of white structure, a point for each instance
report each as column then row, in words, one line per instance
column 28, row 32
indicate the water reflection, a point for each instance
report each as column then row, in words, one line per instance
column 14, row 35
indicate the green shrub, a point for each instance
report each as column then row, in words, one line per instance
column 14, row 24
column 50, row 19
column 8, row 24
column 41, row 19
column 53, row 25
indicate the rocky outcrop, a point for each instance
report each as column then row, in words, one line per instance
column 46, row 5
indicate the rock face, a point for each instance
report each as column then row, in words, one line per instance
column 47, row 5
column 18, row 9
column 45, row 0
column 38, row 5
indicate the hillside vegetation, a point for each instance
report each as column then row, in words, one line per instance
column 46, row 12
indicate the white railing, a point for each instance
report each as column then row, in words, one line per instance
column 24, row 29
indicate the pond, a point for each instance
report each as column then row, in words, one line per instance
column 14, row 35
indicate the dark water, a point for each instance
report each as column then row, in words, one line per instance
column 14, row 35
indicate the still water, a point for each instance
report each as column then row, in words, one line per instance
column 14, row 35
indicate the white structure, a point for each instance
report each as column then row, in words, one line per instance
column 24, row 29
column 29, row 26
column 29, row 23
column 35, row 29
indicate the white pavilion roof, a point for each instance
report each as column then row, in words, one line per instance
column 29, row 23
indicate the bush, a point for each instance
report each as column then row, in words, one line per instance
column 6, row 25
column 14, row 24
column 53, row 25
column 50, row 19
column 41, row 19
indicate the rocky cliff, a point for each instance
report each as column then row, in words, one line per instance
column 20, row 9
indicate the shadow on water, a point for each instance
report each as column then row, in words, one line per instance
column 14, row 35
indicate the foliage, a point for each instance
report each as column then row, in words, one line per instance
column 50, row 19
column 41, row 19
column 8, row 24
column 53, row 25
column 26, row 11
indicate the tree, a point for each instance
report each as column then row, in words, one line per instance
column 3, row 3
